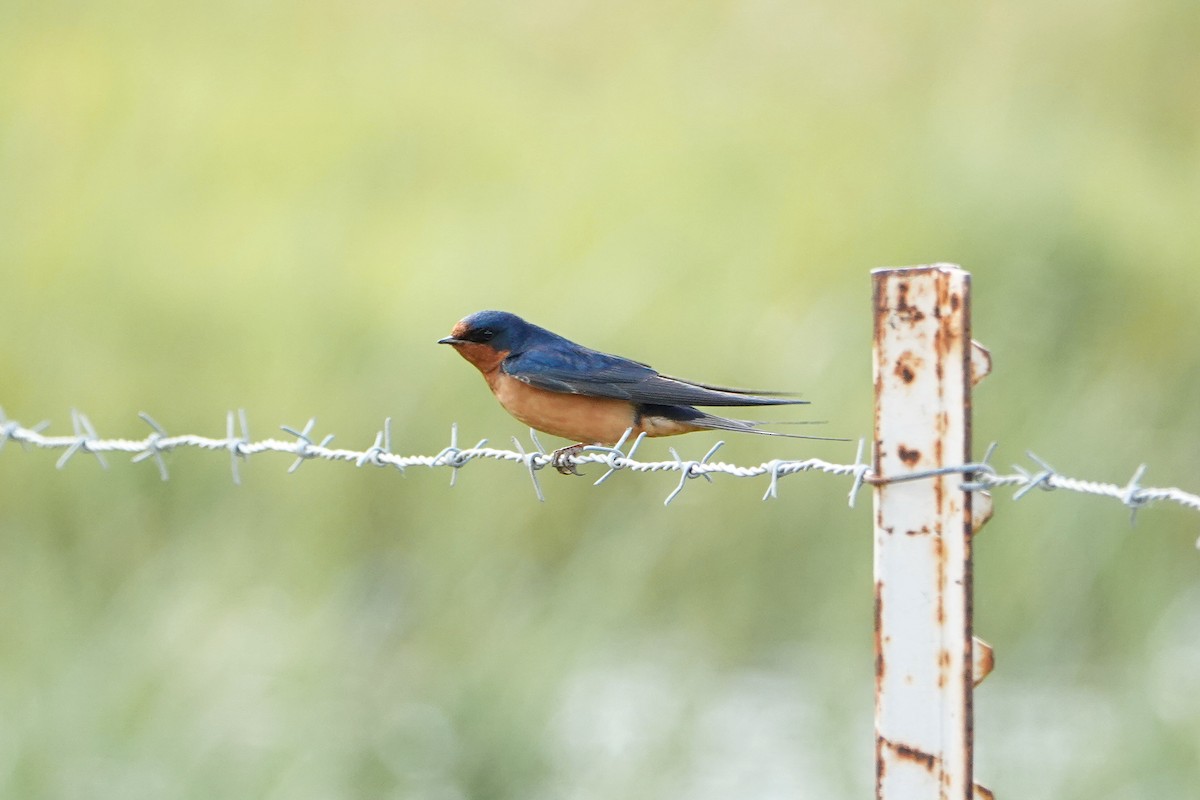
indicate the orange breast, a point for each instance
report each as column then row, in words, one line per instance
column 591, row 420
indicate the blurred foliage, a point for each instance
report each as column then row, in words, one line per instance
column 280, row 206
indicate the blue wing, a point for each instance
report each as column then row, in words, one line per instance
column 580, row 370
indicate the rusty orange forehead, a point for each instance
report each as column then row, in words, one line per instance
column 459, row 328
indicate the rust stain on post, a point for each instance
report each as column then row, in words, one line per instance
column 904, row 752
column 879, row 665
column 926, row 760
column 907, row 366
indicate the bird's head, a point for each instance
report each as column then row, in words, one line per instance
column 485, row 338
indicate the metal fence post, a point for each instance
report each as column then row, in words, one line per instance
column 926, row 662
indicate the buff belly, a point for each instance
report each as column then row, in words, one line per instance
column 593, row 420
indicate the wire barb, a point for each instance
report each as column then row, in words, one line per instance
column 305, row 446
column 1038, row 480
column 533, row 462
column 85, row 434
column 153, row 448
column 861, row 468
column 616, row 459
column 236, row 445
column 691, row 469
column 380, row 452
column 1132, row 496
column 8, row 427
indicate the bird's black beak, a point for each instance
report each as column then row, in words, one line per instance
column 451, row 340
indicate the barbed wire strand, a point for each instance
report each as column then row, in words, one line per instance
column 237, row 442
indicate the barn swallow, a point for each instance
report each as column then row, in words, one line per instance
column 565, row 389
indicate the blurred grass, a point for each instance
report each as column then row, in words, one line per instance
column 280, row 206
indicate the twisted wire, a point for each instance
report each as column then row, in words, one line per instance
column 237, row 442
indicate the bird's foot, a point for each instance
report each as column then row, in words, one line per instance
column 558, row 459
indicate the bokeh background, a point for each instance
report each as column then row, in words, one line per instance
column 281, row 206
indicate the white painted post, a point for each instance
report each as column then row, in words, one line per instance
column 924, row 653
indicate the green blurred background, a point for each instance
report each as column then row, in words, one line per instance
column 281, row 206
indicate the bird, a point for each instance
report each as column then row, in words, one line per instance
column 556, row 386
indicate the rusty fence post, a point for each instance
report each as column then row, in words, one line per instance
column 926, row 659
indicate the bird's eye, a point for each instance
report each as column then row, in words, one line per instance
column 486, row 335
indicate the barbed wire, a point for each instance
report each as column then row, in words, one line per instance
column 303, row 447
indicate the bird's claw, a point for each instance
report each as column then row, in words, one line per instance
column 559, row 459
